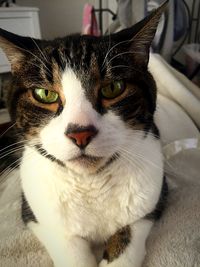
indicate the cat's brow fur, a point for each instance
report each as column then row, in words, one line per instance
column 109, row 193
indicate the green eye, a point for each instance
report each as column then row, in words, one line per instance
column 113, row 90
column 45, row 96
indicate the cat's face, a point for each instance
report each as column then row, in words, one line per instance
column 81, row 101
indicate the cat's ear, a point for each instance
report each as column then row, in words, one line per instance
column 140, row 36
column 15, row 47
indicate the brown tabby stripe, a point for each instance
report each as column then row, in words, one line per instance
column 44, row 153
column 117, row 244
column 26, row 212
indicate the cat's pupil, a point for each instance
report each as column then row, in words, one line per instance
column 46, row 92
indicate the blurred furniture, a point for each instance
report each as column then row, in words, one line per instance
column 101, row 11
column 195, row 23
column 20, row 20
column 23, row 21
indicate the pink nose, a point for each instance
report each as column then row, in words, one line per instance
column 82, row 136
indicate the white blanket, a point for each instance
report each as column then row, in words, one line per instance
column 175, row 239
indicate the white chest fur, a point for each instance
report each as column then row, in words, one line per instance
column 92, row 206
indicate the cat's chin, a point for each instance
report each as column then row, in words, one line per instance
column 85, row 163
column 86, row 160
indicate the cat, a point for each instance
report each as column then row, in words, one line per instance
column 91, row 168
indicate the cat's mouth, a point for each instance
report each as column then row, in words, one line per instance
column 98, row 164
column 85, row 159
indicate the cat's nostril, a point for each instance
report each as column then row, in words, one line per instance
column 81, row 136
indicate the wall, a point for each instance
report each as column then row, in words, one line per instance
column 58, row 18
column 61, row 17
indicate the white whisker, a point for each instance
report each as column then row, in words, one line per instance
column 36, row 57
column 11, row 145
column 114, row 46
column 118, row 55
column 12, row 151
column 42, row 53
column 8, row 129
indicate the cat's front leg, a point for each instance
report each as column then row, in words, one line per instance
column 70, row 251
column 127, row 247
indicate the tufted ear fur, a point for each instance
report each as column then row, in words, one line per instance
column 15, row 47
column 140, row 36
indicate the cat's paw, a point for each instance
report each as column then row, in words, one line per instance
column 116, row 263
column 103, row 263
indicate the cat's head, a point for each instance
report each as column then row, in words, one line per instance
column 82, row 100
